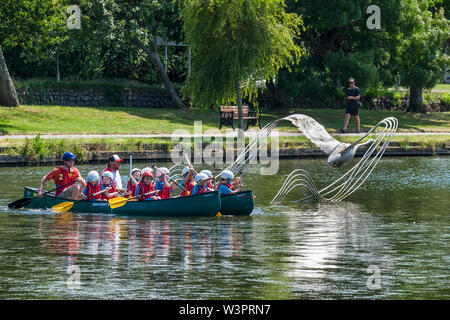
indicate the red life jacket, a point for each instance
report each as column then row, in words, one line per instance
column 229, row 185
column 93, row 188
column 165, row 193
column 132, row 187
column 201, row 190
column 112, row 180
column 61, row 177
column 112, row 190
column 144, row 188
column 209, row 185
column 189, row 186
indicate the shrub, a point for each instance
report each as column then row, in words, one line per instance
column 445, row 98
column 35, row 149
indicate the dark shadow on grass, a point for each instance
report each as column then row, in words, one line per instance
column 5, row 129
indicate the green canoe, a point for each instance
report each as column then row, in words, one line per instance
column 206, row 204
column 238, row 204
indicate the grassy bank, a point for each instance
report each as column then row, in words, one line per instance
column 37, row 148
column 32, row 119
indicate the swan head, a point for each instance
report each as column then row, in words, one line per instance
column 343, row 154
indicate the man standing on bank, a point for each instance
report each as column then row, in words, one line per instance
column 353, row 95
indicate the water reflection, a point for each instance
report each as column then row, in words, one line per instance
column 292, row 251
column 322, row 243
column 150, row 241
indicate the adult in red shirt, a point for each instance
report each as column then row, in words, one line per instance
column 66, row 175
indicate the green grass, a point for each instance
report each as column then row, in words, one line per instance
column 422, row 140
column 32, row 119
column 332, row 120
column 443, row 87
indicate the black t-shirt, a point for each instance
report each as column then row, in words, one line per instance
column 352, row 92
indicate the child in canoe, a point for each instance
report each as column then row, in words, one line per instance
column 93, row 187
column 201, row 187
column 163, row 185
column 188, row 181
column 134, row 181
column 108, row 185
column 146, row 186
column 209, row 174
column 225, row 186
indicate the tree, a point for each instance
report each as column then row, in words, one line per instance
column 338, row 44
column 235, row 43
column 28, row 24
column 421, row 55
column 144, row 21
column 8, row 95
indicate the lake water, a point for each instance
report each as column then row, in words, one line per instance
column 388, row 240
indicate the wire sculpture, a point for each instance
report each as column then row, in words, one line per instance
column 342, row 154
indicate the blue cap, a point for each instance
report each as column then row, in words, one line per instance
column 68, row 156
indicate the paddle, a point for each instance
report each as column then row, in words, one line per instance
column 26, row 201
column 66, row 206
column 131, row 163
column 120, row 201
column 187, row 159
column 156, row 168
column 189, row 164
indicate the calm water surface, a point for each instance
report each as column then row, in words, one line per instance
column 397, row 226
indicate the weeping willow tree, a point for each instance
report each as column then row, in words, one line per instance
column 235, row 43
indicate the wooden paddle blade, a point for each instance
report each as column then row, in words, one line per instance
column 117, row 202
column 63, row 207
column 20, row 203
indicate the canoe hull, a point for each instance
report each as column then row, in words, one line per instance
column 238, row 204
column 207, row 204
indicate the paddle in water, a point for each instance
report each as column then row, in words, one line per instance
column 26, row 201
column 66, row 206
column 120, row 201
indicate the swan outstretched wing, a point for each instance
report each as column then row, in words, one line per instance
column 314, row 131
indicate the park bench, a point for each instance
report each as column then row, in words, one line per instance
column 230, row 113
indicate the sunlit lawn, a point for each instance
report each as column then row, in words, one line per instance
column 32, row 119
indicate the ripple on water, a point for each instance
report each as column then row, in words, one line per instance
column 397, row 223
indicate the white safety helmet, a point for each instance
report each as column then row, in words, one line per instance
column 200, row 177
column 108, row 174
column 92, row 176
column 227, row 174
column 185, row 171
column 207, row 172
column 147, row 169
column 162, row 170
column 136, row 169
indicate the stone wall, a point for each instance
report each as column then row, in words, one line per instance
column 166, row 156
column 125, row 98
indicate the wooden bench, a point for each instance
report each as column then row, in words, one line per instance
column 230, row 113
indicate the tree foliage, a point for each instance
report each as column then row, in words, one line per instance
column 237, row 41
column 338, row 45
column 421, row 56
